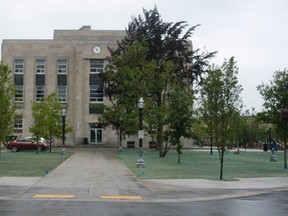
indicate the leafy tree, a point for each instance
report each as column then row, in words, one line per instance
column 252, row 132
column 168, row 56
column 7, row 107
column 128, row 76
column 47, row 116
column 275, row 95
column 38, row 128
column 179, row 118
column 210, row 100
column 224, row 110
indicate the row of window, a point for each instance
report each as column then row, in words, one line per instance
column 40, row 93
column 96, row 66
column 96, row 81
column 40, row 66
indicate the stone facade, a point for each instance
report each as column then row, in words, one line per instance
column 76, row 48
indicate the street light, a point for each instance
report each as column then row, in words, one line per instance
column 140, row 161
column 63, row 130
column 284, row 118
column 269, row 137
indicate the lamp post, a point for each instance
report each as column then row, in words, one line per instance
column 63, row 130
column 271, row 147
column 284, row 118
column 269, row 137
column 140, row 161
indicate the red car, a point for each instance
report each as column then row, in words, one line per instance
column 26, row 144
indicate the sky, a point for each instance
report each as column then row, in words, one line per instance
column 255, row 32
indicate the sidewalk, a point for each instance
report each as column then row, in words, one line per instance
column 91, row 174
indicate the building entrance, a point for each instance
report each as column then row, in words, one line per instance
column 96, row 135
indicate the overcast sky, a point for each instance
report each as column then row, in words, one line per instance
column 255, row 32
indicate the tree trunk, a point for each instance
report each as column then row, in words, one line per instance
column 160, row 141
column 179, row 159
column 120, row 140
column 50, row 142
column 211, row 143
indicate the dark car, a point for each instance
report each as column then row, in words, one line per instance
column 26, row 144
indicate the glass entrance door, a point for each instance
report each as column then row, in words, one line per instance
column 96, row 135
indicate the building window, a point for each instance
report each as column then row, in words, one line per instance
column 18, row 124
column 62, row 66
column 96, row 81
column 96, row 66
column 18, row 66
column 40, row 93
column 40, row 66
column 96, row 108
column 19, row 97
column 96, row 93
column 130, row 144
column 62, row 93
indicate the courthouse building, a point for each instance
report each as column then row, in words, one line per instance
column 71, row 65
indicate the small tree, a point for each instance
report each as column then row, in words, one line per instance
column 179, row 118
column 47, row 115
column 275, row 95
column 225, row 110
column 38, row 128
column 210, row 100
column 7, row 107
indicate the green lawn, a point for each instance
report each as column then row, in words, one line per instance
column 30, row 163
column 199, row 164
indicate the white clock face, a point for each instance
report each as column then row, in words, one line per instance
column 96, row 49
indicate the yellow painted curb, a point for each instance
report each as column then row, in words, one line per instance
column 122, row 197
column 55, row 196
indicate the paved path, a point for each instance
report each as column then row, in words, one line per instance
column 91, row 174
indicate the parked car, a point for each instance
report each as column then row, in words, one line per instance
column 41, row 139
column 26, row 144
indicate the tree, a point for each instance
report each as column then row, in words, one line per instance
column 128, row 77
column 38, row 128
column 168, row 55
column 252, row 132
column 47, row 116
column 275, row 95
column 210, row 100
column 179, row 118
column 221, row 106
column 7, row 106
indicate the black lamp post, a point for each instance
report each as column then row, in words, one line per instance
column 63, row 130
column 269, row 137
column 140, row 161
column 284, row 118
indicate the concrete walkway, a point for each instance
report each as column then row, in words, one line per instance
column 96, row 174
column 89, row 174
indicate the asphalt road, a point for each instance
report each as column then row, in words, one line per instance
column 275, row 203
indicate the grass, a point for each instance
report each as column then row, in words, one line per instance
column 30, row 164
column 199, row 164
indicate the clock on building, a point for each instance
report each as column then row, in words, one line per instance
column 96, row 49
